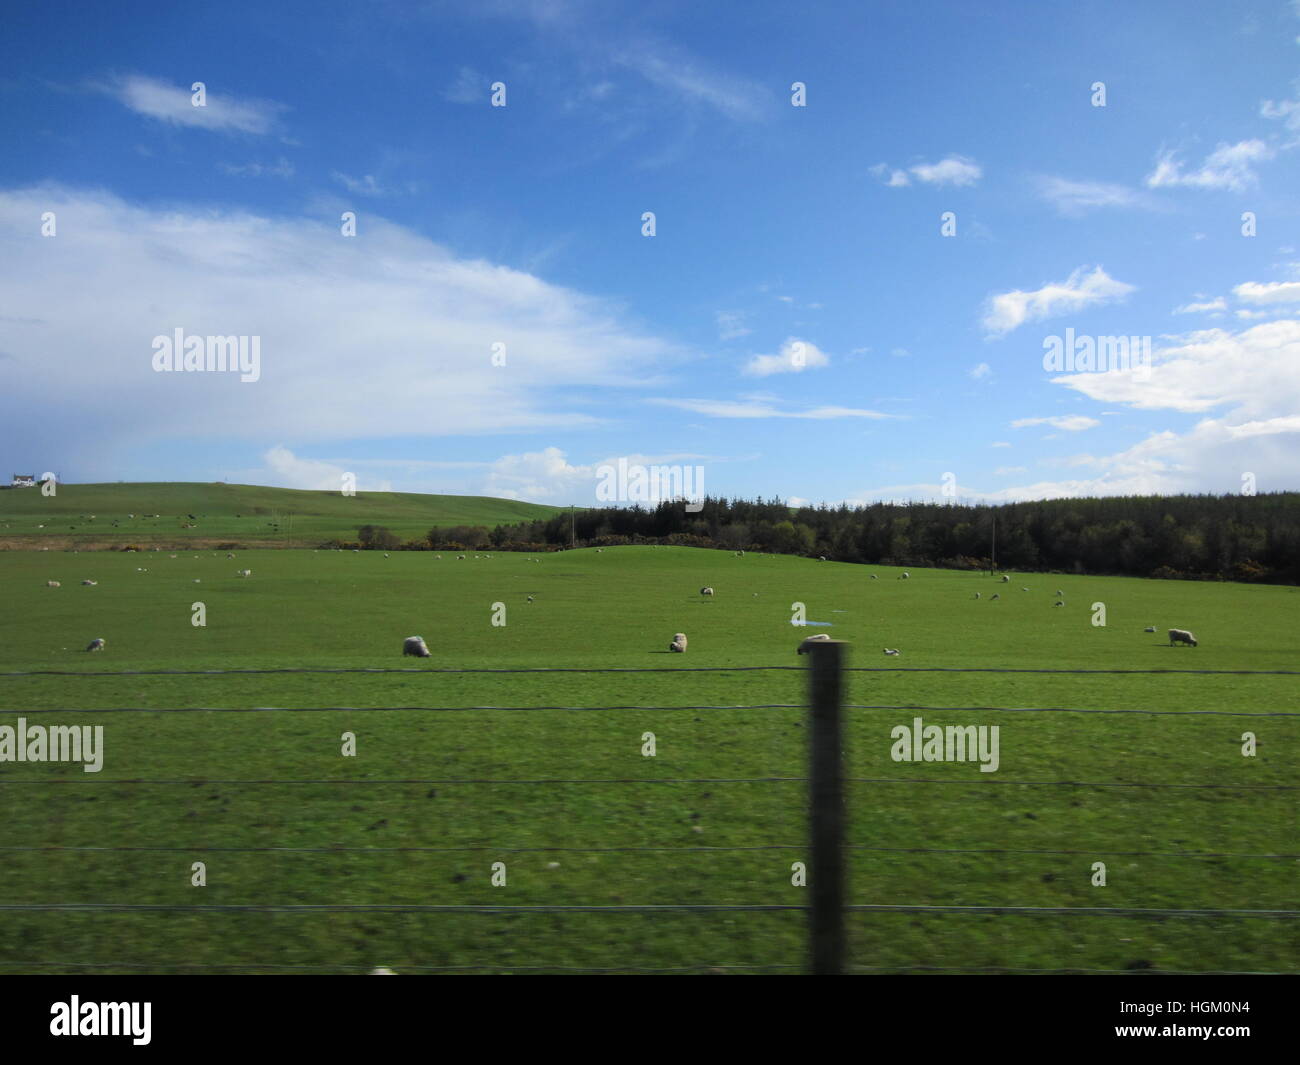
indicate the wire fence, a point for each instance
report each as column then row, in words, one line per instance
column 829, row 906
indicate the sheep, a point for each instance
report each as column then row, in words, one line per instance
column 874, row 577
column 244, row 573
column 1006, row 579
column 460, row 558
column 740, row 554
column 1181, row 636
column 415, row 645
column 52, row 584
column 89, row 583
column 1058, row 603
column 977, row 595
column 904, row 576
column 1059, row 592
column 821, row 558
column 230, row 556
column 995, row 595
column 1024, row 589
column 706, row 591
column 678, row 645
column 530, row 599
column 1149, row 628
column 97, row 644
column 804, row 647
column 891, row 650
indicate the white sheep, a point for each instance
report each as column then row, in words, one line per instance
column 1149, row 628
column 1059, row 592
column 977, row 595
column 821, row 558
column 1181, row 636
column 679, row 643
column 891, row 650
column 995, row 596
column 244, row 573
column 97, row 644
column 1058, row 603
column 415, row 645
column 530, row 599
column 904, row 576
column 52, row 584
column 1006, row 579
column 804, row 647
column 874, row 577
column 89, row 583
column 706, row 591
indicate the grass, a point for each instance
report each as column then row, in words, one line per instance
column 232, row 513
column 415, row 819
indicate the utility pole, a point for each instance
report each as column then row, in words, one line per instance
column 573, row 536
column 994, row 561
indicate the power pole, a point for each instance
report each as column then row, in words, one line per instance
column 994, row 561
column 573, row 536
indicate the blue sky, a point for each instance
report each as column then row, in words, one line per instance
column 798, row 325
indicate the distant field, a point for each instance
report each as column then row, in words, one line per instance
column 235, row 513
column 1073, row 788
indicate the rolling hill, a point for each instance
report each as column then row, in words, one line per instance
column 157, row 514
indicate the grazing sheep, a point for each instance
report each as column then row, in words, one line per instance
column 1181, row 636
column 706, row 591
column 230, row 556
column 1058, row 603
column 1006, row 579
column 904, row 576
column 244, row 573
column 460, row 558
column 51, row 584
column 679, row 644
column 821, row 558
column 803, row 648
column 995, row 595
column 415, row 645
column 1024, row 589
column 740, row 554
column 1149, row 628
column 97, row 644
column 977, row 595
column 530, row 598
column 90, row 583
column 1059, row 592
column 891, row 650
column 385, row 554
column 600, row 550
column 874, row 577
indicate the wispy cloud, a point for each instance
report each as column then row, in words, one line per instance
column 795, row 356
column 281, row 169
column 1217, row 305
column 955, row 170
column 758, row 408
column 1010, row 310
column 1229, row 166
column 731, row 324
column 366, row 185
column 468, row 88
column 693, row 81
column 1077, row 197
column 1070, row 423
column 174, row 104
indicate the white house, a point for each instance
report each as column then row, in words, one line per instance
column 23, row 480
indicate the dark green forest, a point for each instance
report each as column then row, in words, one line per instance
column 1238, row 537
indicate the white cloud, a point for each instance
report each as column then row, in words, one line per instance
column 1009, row 310
column 731, row 324
column 282, row 169
column 1254, row 373
column 388, row 338
column 362, row 186
column 173, row 104
column 1268, row 292
column 1070, row 423
column 1229, row 166
column 1075, row 197
column 1205, row 307
column 982, row 370
column 547, row 476
column 283, row 469
column 759, row 408
column 1007, row 471
column 690, row 79
column 796, row 356
column 468, row 88
column 1000, row 443
column 955, row 170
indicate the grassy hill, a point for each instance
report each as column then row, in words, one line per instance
column 1144, row 772
column 100, row 515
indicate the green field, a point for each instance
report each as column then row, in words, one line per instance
column 149, row 514
column 419, row 816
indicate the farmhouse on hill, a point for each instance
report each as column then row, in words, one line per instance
column 23, row 480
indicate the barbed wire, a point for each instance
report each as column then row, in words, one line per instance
column 478, row 848
column 630, row 707
column 982, row 781
column 629, row 669
column 620, row 908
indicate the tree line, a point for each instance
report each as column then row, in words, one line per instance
column 1237, row 537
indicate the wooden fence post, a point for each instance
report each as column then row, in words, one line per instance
column 826, row 925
